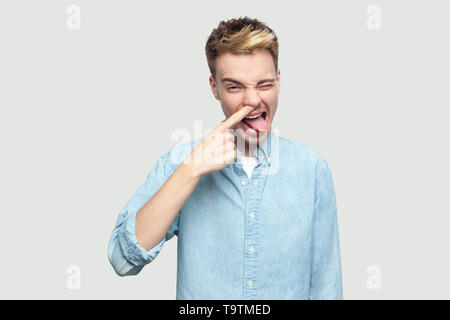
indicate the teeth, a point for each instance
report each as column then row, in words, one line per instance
column 253, row 117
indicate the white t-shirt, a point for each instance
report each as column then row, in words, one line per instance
column 249, row 163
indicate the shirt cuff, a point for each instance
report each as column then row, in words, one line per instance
column 132, row 251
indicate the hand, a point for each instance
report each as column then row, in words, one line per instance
column 217, row 149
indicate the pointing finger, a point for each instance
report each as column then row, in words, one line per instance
column 235, row 118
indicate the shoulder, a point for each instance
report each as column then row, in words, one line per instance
column 179, row 152
column 298, row 152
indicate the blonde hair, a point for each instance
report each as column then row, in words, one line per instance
column 240, row 36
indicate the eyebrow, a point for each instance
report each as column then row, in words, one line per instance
column 259, row 82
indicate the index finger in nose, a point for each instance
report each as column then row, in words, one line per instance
column 235, row 118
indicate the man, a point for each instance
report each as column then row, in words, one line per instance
column 255, row 213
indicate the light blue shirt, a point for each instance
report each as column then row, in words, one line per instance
column 272, row 237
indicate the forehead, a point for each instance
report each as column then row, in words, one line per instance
column 245, row 67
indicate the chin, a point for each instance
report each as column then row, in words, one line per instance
column 251, row 139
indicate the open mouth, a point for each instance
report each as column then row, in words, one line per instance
column 256, row 123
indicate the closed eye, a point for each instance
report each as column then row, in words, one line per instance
column 235, row 87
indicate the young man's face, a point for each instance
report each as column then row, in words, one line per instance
column 239, row 83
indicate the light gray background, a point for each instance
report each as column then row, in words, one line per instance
column 85, row 114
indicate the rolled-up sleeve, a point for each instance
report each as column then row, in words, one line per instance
column 326, row 274
column 124, row 253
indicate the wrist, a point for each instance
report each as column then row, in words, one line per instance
column 192, row 170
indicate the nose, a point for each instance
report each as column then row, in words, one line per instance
column 252, row 97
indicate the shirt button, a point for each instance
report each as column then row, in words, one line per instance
column 251, row 215
column 244, row 182
column 268, row 159
column 251, row 249
column 250, row 283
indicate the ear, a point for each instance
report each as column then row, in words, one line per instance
column 212, row 83
column 278, row 80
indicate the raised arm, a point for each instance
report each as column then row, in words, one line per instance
column 151, row 216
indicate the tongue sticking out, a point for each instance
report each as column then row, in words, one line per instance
column 258, row 124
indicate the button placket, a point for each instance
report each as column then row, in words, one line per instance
column 251, row 236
